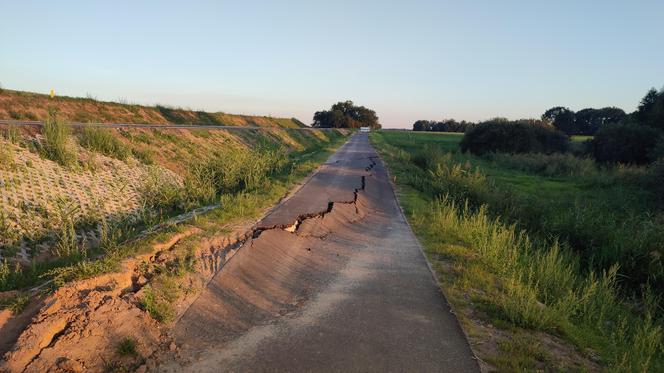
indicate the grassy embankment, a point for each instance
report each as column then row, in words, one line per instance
column 21, row 105
column 541, row 255
column 242, row 173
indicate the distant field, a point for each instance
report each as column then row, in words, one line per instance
column 514, row 237
column 579, row 138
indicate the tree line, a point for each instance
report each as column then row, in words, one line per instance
column 446, row 125
column 583, row 122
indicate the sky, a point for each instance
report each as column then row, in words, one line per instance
column 408, row 60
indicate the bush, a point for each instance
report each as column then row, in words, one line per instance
column 500, row 136
column 625, row 143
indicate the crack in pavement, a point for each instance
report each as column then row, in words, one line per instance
column 331, row 280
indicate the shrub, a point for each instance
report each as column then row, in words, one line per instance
column 502, row 136
column 102, row 140
column 55, row 145
column 625, row 143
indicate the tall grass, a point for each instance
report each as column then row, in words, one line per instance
column 556, row 164
column 66, row 241
column 541, row 265
column 228, row 171
column 542, row 288
column 602, row 231
column 56, row 144
column 12, row 134
column 103, row 140
column 7, row 161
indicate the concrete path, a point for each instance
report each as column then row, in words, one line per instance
column 333, row 280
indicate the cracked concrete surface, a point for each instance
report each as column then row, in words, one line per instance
column 332, row 280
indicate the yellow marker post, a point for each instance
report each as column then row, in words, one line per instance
column 52, row 93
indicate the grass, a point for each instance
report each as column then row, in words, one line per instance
column 496, row 260
column 7, row 161
column 158, row 303
column 580, row 138
column 15, row 304
column 66, row 243
column 103, row 141
column 519, row 355
column 607, row 216
column 127, row 347
column 56, row 144
column 239, row 196
column 12, row 134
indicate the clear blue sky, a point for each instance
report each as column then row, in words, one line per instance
column 408, row 60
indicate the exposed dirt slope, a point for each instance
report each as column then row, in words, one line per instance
column 34, row 106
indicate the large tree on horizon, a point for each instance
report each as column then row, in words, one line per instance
column 345, row 114
column 651, row 109
column 562, row 118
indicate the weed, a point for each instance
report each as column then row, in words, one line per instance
column 9, row 277
column 66, row 240
column 144, row 155
column 160, row 190
column 110, row 235
column 103, row 141
column 127, row 347
column 157, row 304
column 7, row 158
column 523, row 353
column 56, row 141
column 12, row 134
column 198, row 186
column 81, row 270
column 15, row 304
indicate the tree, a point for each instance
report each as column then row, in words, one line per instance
column 522, row 136
column 588, row 121
column 651, row 110
column 422, row 125
column 447, row 125
column 626, row 143
column 346, row 115
column 562, row 118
